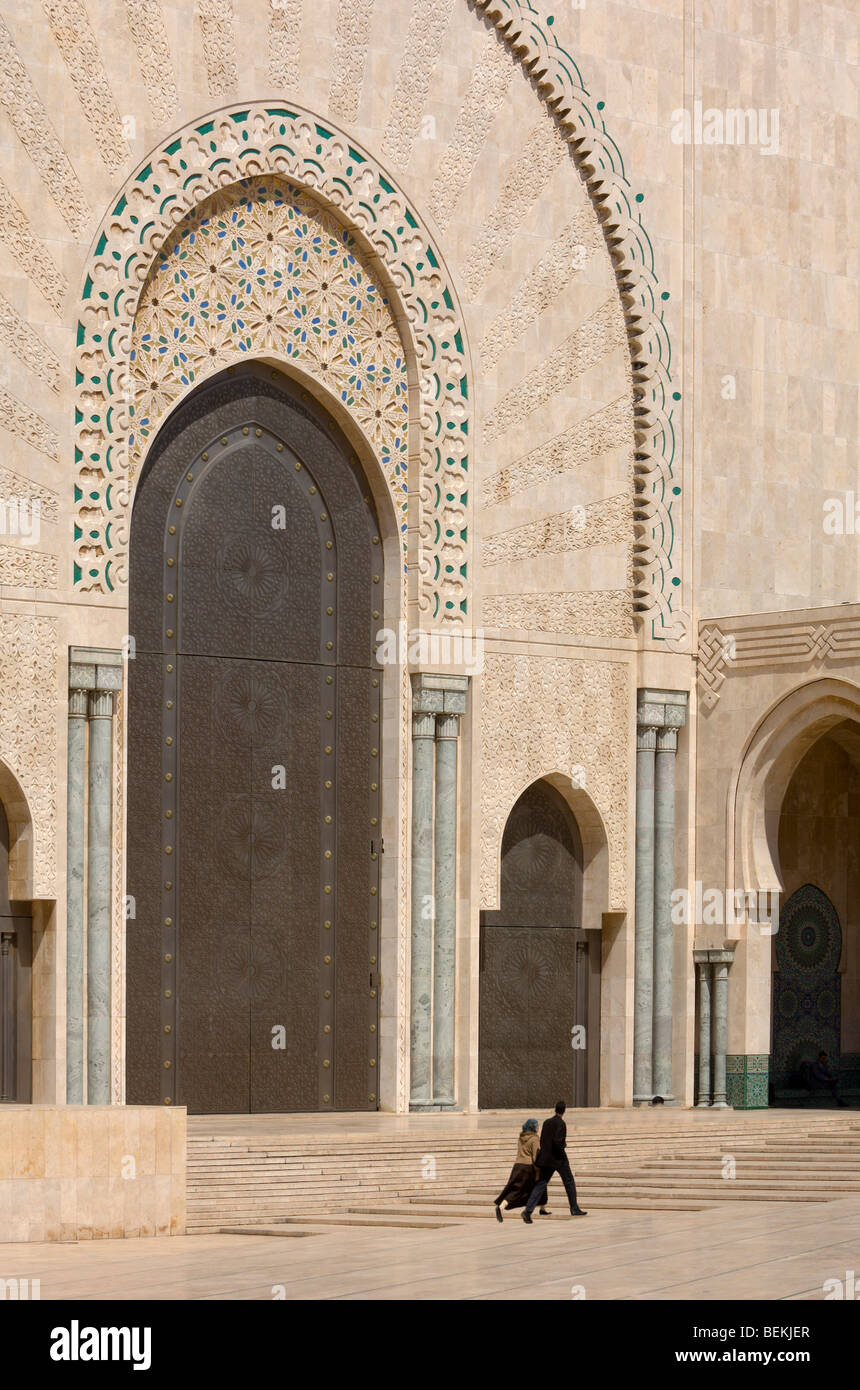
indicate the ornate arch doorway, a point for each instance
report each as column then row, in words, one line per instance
column 253, row 780
column 540, row 971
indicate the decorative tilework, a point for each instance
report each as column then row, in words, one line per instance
column 259, row 268
column 253, row 143
column 747, row 1081
column 806, row 984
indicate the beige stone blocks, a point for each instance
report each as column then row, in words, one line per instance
column 91, row 1172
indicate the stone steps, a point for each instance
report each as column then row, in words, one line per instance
column 266, row 1183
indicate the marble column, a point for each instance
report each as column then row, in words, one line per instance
column 99, row 896
column 95, row 673
column 664, row 882
column 703, row 969
column 659, row 715
column 445, row 883
column 438, row 702
column 423, row 757
column 646, row 742
column 75, row 838
column 721, row 961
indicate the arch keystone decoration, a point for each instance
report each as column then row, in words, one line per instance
column 382, row 234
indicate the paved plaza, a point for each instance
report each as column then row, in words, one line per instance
column 763, row 1252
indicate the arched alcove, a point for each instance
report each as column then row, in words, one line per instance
column 539, row 969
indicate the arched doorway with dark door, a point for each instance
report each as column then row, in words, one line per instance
column 539, row 1018
column 253, row 759
column 16, row 973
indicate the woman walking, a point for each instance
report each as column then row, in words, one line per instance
column 524, row 1173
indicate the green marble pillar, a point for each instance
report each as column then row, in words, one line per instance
column 421, row 979
column 99, row 896
column 445, row 877
column 721, row 1017
column 95, row 673
column 437, row 704
column 75, row 839
column 646, row 743
column 703, row 969
column 664, row 883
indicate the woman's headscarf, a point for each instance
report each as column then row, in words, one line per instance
column 530, row 1127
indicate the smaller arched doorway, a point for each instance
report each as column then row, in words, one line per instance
column 539, row 970
column 16, row 963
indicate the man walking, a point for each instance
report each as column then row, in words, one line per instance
column 552, row 1158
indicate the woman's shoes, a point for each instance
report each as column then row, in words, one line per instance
column 498, row 1214
column 542, row 1211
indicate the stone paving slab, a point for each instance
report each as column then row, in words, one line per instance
column 759, row 1253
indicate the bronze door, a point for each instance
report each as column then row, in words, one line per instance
column 539, row 1018
column 254, row 724
column 534, row 991
column 16, row 971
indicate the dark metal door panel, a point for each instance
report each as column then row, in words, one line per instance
column 503, row 1079
column 534, row 989
column 551, row 985
column 285, row 982
column 16, row 1009
column 355, row 958
column 145, row 1079
column 254, row 751
column 212, row 868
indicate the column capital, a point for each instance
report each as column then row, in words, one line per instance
column 101, row 704
column 447, row 725
column 423, row 724
column 667, row 740
column 78, row 702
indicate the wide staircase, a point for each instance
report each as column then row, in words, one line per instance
column 273, row 1182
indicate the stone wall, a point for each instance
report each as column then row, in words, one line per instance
column 91, row 1172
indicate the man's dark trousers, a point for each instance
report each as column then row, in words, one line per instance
column 538, row 1194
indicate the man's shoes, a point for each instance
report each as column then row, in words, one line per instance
column 543, row 1212
column 527, row 1219
column 498, row 1213
column 577, row 1211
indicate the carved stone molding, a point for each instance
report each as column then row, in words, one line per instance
column 253, row 142
column 556, row 75
column 547, row 715
column 731, row 645
column 28, row 731
column 27, row 569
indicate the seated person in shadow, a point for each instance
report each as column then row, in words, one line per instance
column 823, row 1079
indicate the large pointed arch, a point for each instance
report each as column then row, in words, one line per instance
column 240, row 143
